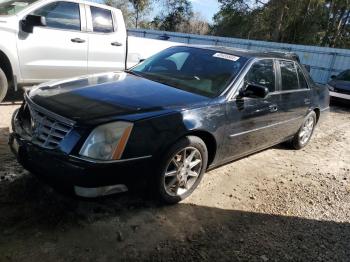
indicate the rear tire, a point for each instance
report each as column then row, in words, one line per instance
column 3, row 85
column 182, row 169
column 302, row 138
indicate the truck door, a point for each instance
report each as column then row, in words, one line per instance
column 107, row 40
column 57, row 50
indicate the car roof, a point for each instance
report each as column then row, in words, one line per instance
column 250, row 53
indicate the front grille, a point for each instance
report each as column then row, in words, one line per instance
column 46, row 131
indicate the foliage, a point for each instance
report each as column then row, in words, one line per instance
column 317, row 22
column 175, row 16
column 132, row 10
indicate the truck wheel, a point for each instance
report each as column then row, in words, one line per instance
column 3, row 85
column 182, row 169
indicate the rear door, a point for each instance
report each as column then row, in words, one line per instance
column 252, row 123
column 294, row 96
column 107, row 40
column 57, row 50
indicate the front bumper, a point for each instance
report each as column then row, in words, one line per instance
column 85, row 178
column 339, row 95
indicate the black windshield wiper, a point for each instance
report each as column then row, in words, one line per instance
column 133, row 73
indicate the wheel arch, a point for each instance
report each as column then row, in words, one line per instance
column 318, row 113
column 6, row 66
column 209, row 141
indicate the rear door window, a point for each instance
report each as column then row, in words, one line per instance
column 302, row 81
column 102, row 21
column 289, row 76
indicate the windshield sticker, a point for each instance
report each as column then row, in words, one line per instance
column 226, row 56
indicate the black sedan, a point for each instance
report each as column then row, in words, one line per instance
column 169, row 119
column 339, row 86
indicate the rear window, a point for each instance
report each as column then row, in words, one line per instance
column 102, row 21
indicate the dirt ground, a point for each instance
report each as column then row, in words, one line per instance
column 277, row 205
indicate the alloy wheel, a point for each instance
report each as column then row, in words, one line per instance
column 306, row 130
column 183, row 171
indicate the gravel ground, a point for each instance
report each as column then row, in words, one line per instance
column 277, row 205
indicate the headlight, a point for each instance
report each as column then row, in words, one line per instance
column 107, row 142
column 330, row 88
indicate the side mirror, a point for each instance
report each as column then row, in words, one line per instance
column 28, row 23
column 254, row 91
column 333, row 77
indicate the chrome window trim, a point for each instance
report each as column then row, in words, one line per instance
column 93, row 161
column 264, row 127
column 291, row 91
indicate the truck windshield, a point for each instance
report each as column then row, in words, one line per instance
column 13, row 7
column 197, row 70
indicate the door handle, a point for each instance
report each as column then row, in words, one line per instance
column 307, row 101
column 273, row 108
column 116, row 44
column 78, row 40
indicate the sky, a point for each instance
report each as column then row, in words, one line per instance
column 206, row 7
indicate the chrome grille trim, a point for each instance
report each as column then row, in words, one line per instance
column 47, row 132
column 47, row 128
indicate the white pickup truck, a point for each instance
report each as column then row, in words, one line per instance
column 53, row 39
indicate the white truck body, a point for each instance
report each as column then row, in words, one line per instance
column 75, row 41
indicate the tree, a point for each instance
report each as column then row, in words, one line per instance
column 124, row 6
column 140, row 6
column 130, row 9
column 315, row 22
column 175, row 16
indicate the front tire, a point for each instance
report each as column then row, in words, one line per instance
column 302, row 138
column 182, row 169
column 3, row 85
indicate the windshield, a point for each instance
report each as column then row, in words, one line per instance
column 344, row 76
column 13, row 7
column 201, row 71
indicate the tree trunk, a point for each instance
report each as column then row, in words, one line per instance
column 137, row 18
column 276, row 34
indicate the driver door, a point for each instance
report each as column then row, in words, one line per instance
column 252, row 123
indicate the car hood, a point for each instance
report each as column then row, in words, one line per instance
column 111, row 95
column 344, row 85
